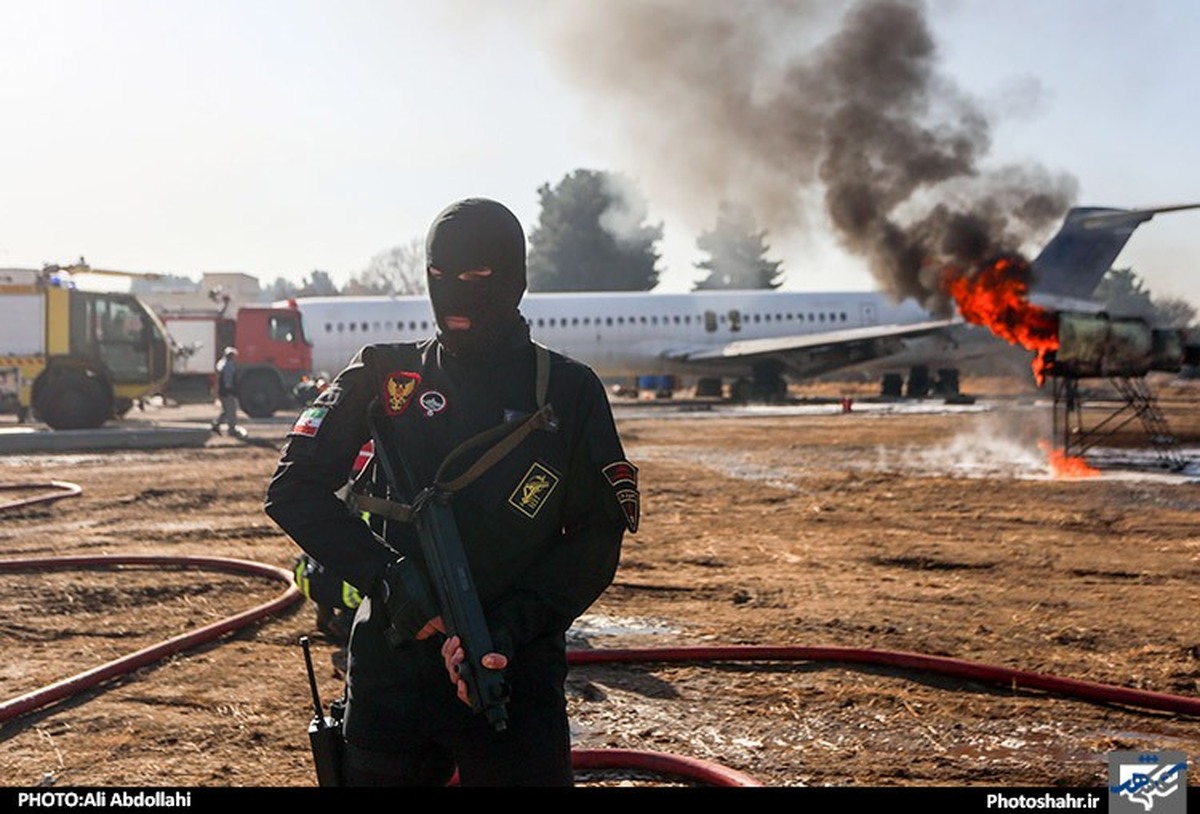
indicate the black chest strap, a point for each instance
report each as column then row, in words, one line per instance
column 504, row 438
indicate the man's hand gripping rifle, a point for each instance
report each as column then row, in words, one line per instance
column 446, row 561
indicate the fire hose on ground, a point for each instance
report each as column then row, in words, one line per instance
column 654, row 762
column 57, row 491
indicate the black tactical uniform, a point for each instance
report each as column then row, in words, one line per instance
column 542, row 526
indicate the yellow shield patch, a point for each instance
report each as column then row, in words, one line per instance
column 398, row 391
column 533, row 490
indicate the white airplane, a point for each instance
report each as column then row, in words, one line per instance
column 710, row 334
column 762, row 336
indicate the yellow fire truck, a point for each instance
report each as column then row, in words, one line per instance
column 75, row 358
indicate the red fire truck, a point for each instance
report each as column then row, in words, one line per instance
column 273, row 355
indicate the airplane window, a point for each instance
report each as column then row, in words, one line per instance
column 608, row 321
column 424, row 325
column 653, row 320
column 574, row 320
column 822, row 316
column 641, row 320
column 541, row 322
column 779, row 317
column 620, row 320
column 340, row 327
column 758, row 318
column 365, row 326
column 328, row 327
column 676, row 318
column 377, row 325
column 587, row 320
column 387, row 326
column 843, row 316
column 551, row 322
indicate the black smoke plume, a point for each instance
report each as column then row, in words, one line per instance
column 756, row 103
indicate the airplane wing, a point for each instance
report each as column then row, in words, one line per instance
column 814, row 354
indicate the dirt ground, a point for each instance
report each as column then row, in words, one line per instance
column 919, row 528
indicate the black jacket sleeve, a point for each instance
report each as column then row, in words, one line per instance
column 315, row 464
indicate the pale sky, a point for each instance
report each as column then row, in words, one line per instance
column 276, row 137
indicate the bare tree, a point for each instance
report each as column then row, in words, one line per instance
column 399, row 270
column 1174, row 312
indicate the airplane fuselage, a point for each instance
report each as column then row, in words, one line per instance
column 617, row 333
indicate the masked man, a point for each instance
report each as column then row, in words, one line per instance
column 541, row 524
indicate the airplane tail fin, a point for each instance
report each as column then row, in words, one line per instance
column 1084, row 249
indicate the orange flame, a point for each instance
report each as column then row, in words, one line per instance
column 997, row 297
column 1063, row 465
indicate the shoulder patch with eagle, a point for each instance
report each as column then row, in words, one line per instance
column 398, row 390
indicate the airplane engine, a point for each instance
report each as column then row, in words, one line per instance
column 1096, row 345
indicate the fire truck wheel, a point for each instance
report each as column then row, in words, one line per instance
column 73, row 400
column 260, row 395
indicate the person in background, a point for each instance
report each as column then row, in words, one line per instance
column 227, row 394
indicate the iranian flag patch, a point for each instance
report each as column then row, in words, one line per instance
column 309, row 422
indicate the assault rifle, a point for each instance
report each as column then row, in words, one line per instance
column 450, row 573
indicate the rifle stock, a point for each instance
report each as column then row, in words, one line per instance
column 450, row 574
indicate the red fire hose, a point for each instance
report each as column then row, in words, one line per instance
column 127, row 664
column 941, row 665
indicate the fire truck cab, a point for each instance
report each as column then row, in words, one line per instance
column 273, row 355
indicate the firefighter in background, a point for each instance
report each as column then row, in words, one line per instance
column 227, row 394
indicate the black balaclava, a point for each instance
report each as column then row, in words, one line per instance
column 473, row 234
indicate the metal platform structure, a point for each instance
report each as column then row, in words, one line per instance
column 1084, row 419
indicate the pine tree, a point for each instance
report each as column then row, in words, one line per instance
column 737, row 252
column 591, row 236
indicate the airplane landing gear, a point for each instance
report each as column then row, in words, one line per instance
column 709, row 387
column 767, row 385
column 918, row 382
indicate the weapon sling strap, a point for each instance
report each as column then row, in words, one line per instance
column 504, row 438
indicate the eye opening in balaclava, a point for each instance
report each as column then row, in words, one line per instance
column 470, row 235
